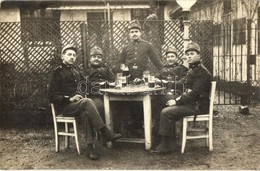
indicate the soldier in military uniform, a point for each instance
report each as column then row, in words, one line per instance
column 138, row 52
column 66, row 93
column 97, row 70
column 172, row 69
column 174, row 73
column 136, row 55
column 194, row 101
column 98, row 76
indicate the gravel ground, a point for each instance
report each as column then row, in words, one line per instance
column 236, row 146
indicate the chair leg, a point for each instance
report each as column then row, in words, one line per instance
column 207, row 142
column 210, row 137
column 66, row 137
column 184, row 134
column 210, row 144
column 56, row 137
column 76, row 136
column 207, row 132
column 176, row 131
column 57, row 146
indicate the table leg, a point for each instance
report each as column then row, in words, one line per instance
column 147, row 121
column 108, row 118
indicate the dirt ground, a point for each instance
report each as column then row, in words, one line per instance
column 236, row 146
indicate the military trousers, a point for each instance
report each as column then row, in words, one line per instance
column 99, row 102
column 171, row 114
column 86, row 110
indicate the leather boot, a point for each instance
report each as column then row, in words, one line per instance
column 164, row 147
column 92, row 153
column 109, row 135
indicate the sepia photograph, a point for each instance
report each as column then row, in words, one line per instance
column 130, row 84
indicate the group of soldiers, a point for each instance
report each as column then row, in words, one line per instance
column 65, row 80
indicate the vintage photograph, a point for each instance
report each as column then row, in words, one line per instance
column 130, row 85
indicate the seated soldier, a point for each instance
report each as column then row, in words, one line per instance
column 173, row 73
column 172, row 76
column 70, row 100
column 98, row 76
column 194, row 101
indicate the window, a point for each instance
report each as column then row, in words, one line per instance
column 217, row 35
column 239, row 31
column 227, row 39
column 39, row 14
column 227, row 6
column 40, row 33
column 96, row 16
column 226, row 32
column 139, row 14
column 96, row 28
column 39, row 25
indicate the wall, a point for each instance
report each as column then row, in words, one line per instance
column 73, row 15
column 122, row 15
column 11, row 14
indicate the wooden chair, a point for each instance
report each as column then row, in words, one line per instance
column 58, row 118
column 208, row 118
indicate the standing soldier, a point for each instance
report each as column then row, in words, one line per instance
column 136, row 56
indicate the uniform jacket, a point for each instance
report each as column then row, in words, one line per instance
column 179, row 71
column 99, row 73
column 137, row 54
column 198, row 85
column 64, row 83
column 96, row 75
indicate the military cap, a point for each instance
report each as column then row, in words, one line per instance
column 69, row 46
column 171, row 49
column 134, row 24
column 192, row 46
column 96, row 51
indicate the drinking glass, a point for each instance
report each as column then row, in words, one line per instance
column 146, row 75
column 123, row 81
column 127, row 74
column 151, row 81
column 118, row 79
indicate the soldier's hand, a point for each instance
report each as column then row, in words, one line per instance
column 137, row 81
column 122, row 66
column 157, row 80
column 75, row 98
column 171, row 103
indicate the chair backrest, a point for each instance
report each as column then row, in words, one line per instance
column 212, row 97
column 53, row 110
